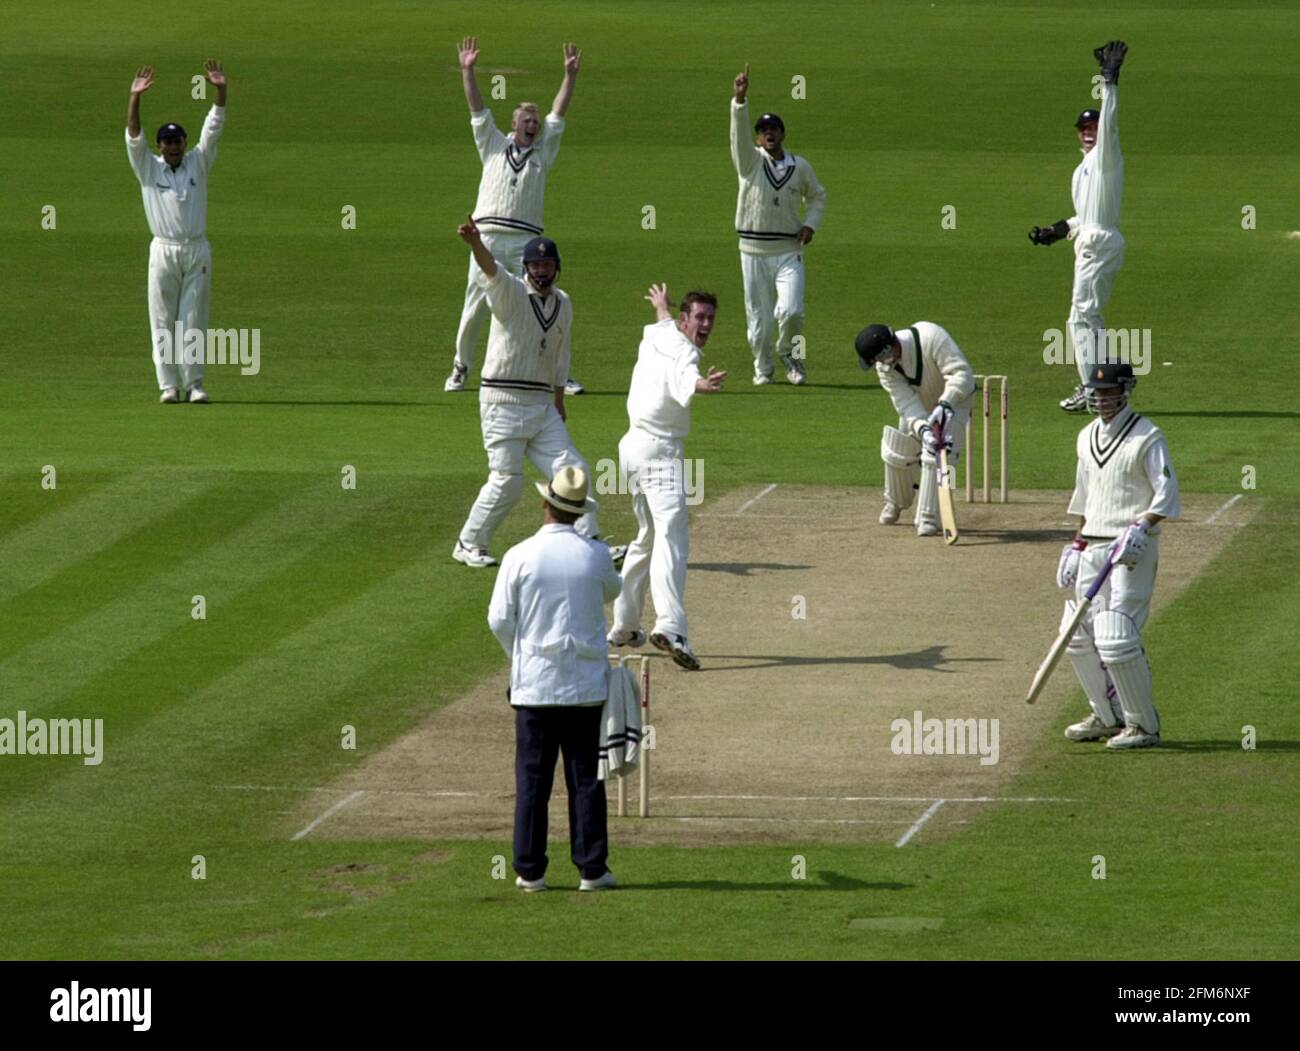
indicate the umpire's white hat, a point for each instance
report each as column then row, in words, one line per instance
column 567, row 491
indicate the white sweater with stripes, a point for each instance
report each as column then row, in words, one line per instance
column 511, row 192
column 772, row 194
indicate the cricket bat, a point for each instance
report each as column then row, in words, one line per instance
column 1053, row 657
column 947, row 510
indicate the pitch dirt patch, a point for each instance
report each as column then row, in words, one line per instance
column 785, row 735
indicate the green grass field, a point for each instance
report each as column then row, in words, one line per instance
column 328, row 607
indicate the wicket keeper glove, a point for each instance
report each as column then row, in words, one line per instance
column 1046, row 235
column 1111, row 56
column 1127, row 550
column 1067, row 570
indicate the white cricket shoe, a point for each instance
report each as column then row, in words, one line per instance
column 170, row 396
column 926, row 527
column 198, row 396
column 604, row 882
column 1091, row 729
column 889, row 513
column 477, row 557
column 633, row 637
column 1077, row 401
column 795, row 372
column 456, row 381
column 761, row 380
column 573, row 387
column 1133, row 737
column 677, row 648
column 530, row 886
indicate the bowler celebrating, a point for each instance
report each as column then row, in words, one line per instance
column 509, row 207
column 174, row 186
column 1097, row 186
column 774, row 187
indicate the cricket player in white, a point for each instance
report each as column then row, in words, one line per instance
column 521, row 396
column 510, row 193
column 174, row 186
column 665, row 379
column 774, row 187
column 931, row 385
column 1124, row 487
column 1096, row 187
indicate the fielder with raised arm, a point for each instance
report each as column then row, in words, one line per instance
column 931, row 385
column 174, row 187
column 521, row 397
column 1124, row 487
column 510, row 193
column 775, row 187
column 665, row 379
column 1096, row 187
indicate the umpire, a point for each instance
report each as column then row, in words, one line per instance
column 548, row 611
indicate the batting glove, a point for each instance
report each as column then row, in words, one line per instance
column 1046, row 235
column 1127, row 550
column 1111, row 57
column 940, row 416
column 1067, row 570
column 929, row 440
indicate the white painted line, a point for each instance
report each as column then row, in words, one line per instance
column 916, row 825
column 1211, row 520
column 754, row 499
column 329, row 813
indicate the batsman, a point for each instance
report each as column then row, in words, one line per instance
column 1124, row 488
column 931, row 385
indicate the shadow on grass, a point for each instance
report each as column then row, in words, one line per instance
column 1010, row 536
column 260, row 401
column 828, row 881
column 930, row 658
column 741, row 569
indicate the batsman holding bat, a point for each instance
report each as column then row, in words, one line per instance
column 1097, row 186
column 1124, row 488
column 931, row 385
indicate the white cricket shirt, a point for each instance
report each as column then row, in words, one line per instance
column 511, row 191
column 1098, row 182
column 663, row 381
column 528, row 343
column 924, row 375
column 176, row 199
column 1123, row 472
column 771, row 194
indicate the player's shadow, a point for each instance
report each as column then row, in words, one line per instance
column 929, row 659
column 741, row 569
column 832, row 881
column 986, row 537
column 1230, row 745
column 1246, row 414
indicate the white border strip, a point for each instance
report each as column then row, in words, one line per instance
column 1214, row 517
column 916, row 825
column 754, row 499
column 328, row 814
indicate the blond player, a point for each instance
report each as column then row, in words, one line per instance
column 1097, row 186
column 521, row 397
column 510, row 193
column 931, row 385
column 665, row 380
column 174, row 187
column 1124, row 487
column 775, row 186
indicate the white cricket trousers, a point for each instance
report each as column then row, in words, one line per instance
column 656, row 479
column 1098, row 255
column 508, row 250
column 180, row 289
column 773, row 304
column 510, row 433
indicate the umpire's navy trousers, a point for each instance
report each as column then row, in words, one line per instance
column 542, row 734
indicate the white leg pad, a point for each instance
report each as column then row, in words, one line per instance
column 1120, row 645
column 902, row 456
column 927, row 506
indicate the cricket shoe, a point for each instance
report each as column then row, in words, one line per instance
column 926, row 527
column 677, row 648
column 1133, row 737
column 477, row 557
column 617, row 552
column 604, row 882
column 456, row 381
column 198, row 396
column 889, row 513
column 1077, row 401
column 530, row 886
column 1091, row 729
column 633, row 637
column 573, row 387
column 795, row 372
column 761, row 379
column 170, row 396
